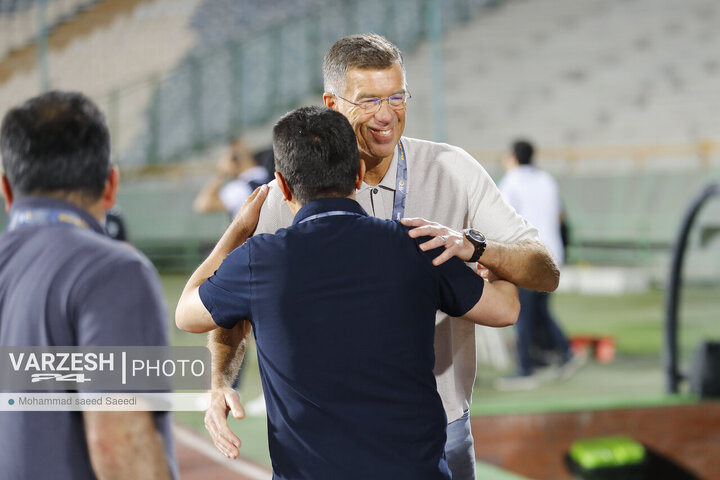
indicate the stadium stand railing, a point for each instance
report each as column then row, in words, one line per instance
column 19, row 19
column 249, row 65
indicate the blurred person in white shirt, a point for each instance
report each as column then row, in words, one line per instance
column 534, row 194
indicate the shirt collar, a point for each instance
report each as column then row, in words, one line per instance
column 33, row 202
column 322, row 205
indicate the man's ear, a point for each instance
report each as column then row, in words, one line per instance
column 7, row 192
column 109, row 194
column 287, row 194
column 360, row 175
column 330, row 100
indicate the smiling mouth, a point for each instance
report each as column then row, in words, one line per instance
column 383, row 133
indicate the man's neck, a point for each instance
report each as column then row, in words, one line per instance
column 376, row 169
column 295, row 206
column 94, row 208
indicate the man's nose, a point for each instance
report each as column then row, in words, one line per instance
column 385, row 113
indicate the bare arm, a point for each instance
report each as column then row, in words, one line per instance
column 191, row 314
column 526, row 264
column 125, row 445
column 498, row 306
column 228, row 350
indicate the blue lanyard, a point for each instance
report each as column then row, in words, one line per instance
column 400, row 184
column 44, row 216
column 331, row 213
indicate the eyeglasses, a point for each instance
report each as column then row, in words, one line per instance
column 397, row 101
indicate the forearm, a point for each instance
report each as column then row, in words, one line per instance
column 125, row 445
column 526, row 264
column 507, row 308
column 227, row 347
column 498, row 306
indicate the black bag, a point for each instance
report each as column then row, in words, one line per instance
column 705, row 373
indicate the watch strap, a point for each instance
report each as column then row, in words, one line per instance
column 479, row 250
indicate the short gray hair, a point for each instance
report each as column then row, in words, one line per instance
column 368, row 50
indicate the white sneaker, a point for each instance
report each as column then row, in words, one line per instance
column 572, row 365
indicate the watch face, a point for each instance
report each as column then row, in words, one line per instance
column 475, row 235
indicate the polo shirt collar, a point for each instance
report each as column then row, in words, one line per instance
column 35, row 202
column 322, row 205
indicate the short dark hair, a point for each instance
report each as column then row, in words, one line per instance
column 316, row 152
column 523, row 151
column 56, row 142
column 368, row 51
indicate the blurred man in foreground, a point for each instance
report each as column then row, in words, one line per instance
column 64, row 283
column 346, row 365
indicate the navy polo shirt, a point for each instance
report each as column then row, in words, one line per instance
column 343, row 311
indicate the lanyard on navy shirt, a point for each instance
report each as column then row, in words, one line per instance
column 400, row 184
column 44, row 216
column 331, row 213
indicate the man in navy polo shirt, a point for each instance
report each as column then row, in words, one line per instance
column 344, row 337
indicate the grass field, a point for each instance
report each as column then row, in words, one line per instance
column 634, row 378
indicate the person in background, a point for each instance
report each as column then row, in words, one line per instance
column 63, row 282
column 534, row 194
column 238, row 173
